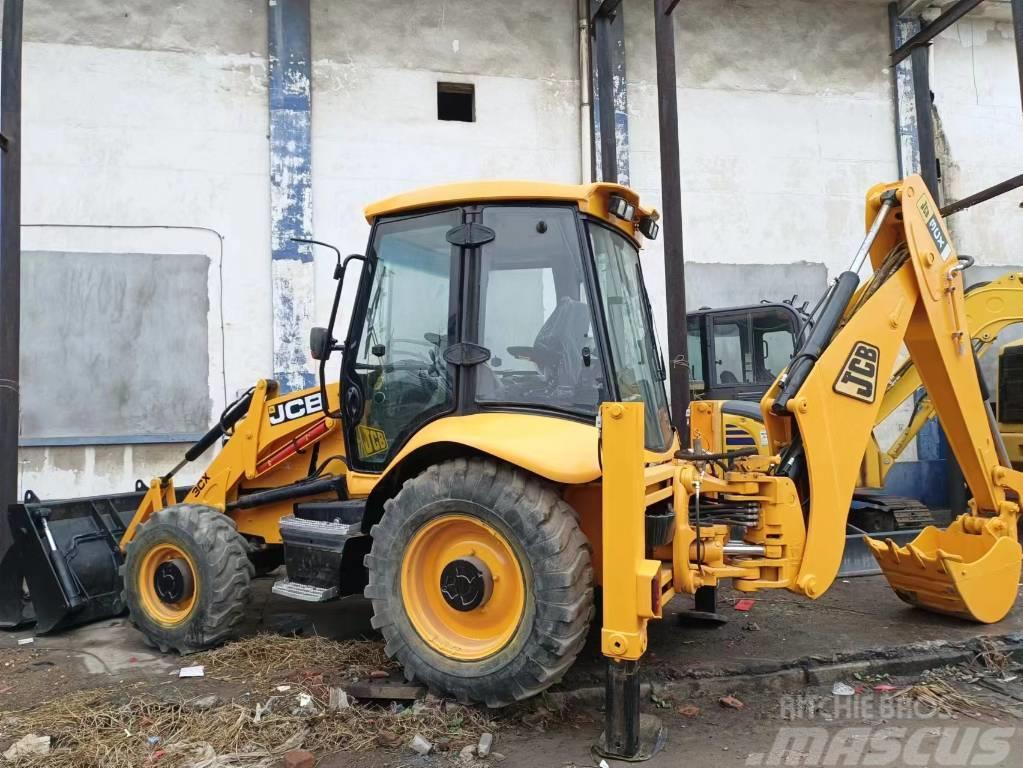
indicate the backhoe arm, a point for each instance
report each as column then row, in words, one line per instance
column 990, row 309
column 793, row 503
column 914, row 297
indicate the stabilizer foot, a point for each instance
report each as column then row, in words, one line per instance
column 705, row 610
column 627, row 735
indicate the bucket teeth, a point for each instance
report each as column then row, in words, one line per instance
column 973, row 576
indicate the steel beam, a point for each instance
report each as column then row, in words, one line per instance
column 605, row 93
column 610, row 156
column 907, row 145
column 1017, row 28
column 10, row 258
column 925, row 120
column 983, row 196
column 671, row 215
column 944, row 21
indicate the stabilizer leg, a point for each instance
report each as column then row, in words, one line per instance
column 628, row 735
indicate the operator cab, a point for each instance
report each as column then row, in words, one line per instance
column 513, row 297
column 736, row 353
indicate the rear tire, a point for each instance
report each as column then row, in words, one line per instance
column 203, row 543
column 551, row 553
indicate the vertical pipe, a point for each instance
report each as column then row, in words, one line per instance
column 1017, row 28
column 671, row 212
column 10, row 257
column 893, row 38
column 605, row 98
column 925, row 119
column 585, row 96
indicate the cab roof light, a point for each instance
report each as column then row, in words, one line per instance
column 620, row 207
column 649, row 227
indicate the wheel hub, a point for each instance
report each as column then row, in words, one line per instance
column 462, row 587
column 173, row 581
column 466, row 583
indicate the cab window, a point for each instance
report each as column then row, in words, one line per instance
column 535, row 317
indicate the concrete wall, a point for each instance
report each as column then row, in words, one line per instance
column 152, row 115
column 375, row 127
column 150, row 119
column 980, row 129
column 784, row 122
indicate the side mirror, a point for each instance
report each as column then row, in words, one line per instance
column 321, row 344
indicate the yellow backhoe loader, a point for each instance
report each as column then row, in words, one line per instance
column 754, row 339
column 499, row 445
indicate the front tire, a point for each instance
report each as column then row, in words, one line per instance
column 186, row 578
column 481, row 582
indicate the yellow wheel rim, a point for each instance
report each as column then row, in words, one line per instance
column 168, row 604
column 462, row 587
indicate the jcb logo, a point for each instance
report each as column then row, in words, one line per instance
column 296, row 409
column 371, row 440
column 858, row 378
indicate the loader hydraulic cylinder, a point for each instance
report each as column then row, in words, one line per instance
column 818, row 340
column 228, row 419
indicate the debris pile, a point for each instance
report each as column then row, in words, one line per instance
column 260, row 729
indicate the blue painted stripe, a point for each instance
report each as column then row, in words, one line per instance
column 290, row 86
column 291, row 203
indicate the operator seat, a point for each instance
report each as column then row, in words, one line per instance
column 557, row 350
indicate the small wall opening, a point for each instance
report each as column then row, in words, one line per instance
column 456, row 101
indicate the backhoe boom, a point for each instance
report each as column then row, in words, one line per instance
column 819, row 418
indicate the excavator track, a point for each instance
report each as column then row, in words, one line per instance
column 874, row 512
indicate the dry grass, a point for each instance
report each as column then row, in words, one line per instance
column 265, row 657
column 97, row 728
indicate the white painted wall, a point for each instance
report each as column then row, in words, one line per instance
column 977, row 100
column 131, row 118
column 142, row 112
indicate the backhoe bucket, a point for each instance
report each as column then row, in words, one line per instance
column 973, row 576
column 62, row 568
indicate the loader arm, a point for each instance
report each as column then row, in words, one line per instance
column 265, row 450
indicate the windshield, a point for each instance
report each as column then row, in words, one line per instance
column 637, row 363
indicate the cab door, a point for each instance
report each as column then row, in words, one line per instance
column 396, row 378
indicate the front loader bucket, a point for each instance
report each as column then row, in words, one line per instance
column 64, row 560
column 973, row 576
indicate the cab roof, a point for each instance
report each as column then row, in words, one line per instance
column 591, row 198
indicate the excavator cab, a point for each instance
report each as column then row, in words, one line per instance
column 736, row 353
column 1010, row 401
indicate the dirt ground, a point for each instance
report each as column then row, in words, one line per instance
column 855, row 615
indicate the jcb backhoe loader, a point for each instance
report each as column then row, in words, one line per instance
column 499, row 444
column 753, row 340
